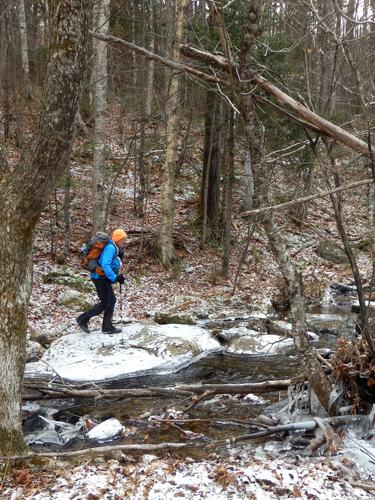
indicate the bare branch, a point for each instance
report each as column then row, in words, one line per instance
column 322, row 194
column 324, row 126
column 156, row 57
column 354, row 21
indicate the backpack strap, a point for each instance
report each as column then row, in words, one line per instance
column 99, row 269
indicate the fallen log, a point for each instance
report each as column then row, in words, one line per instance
column 103, row 450
column 59, row 391
column 304, row 425
column 255, row 388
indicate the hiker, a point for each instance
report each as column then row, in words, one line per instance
column 109, row 264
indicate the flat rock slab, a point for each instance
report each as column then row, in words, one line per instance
column 96, row 356
column 327, row 323
column 242, row 340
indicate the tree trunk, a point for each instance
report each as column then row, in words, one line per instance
column 150, row 62
column 249, row 183
column 3, row 64
column 99, row 77
column 142, row 98
column 326, row 67
column 134, row 40
column 67, row 199
column 303, row 115
column 167, row 251
column 24, row 48
column 213, row 195
column 7, row 81
column 304, row 177
column 228, row 186
column 210, row 187
column 24, row 193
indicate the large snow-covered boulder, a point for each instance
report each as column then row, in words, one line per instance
column 97, row 356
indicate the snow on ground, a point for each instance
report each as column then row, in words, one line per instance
column 242, row 474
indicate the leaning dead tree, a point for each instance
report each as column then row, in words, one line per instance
column 293, row 109
column 254, row 132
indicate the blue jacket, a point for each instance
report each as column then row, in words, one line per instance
column 109, row 261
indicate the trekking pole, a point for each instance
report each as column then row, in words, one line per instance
column 122, row 317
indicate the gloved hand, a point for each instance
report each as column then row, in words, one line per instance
column 120, row 279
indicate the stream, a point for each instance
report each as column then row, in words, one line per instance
column 217, row 416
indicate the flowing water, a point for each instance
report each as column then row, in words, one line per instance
column 215, row 417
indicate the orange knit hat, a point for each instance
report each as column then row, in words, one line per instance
column 118, row 234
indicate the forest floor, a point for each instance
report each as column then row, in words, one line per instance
column 193, row 283
column 245, row 472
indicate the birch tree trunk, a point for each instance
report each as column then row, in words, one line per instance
column 99, row 77
column 134, row 40
column 142, row 99
column 24, row 192
column 166, row 248
column 150, row 62
column 24, row 47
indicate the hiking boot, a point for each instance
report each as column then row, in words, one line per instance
column 83, row 326
column 112, row 330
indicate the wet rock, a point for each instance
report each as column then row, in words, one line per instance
column 326, row 323
column 259, row 324
column 243, row 340
column 284, row 328
column 344, row 289
column 47, row 337
column 165, row 318
column 178, row 300
column 355, row 307
column 34, row 351
column 363, row 245
column 73, row 299
column 251, row 322
column 329, row 250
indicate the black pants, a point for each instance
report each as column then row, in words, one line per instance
column 107, row 304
